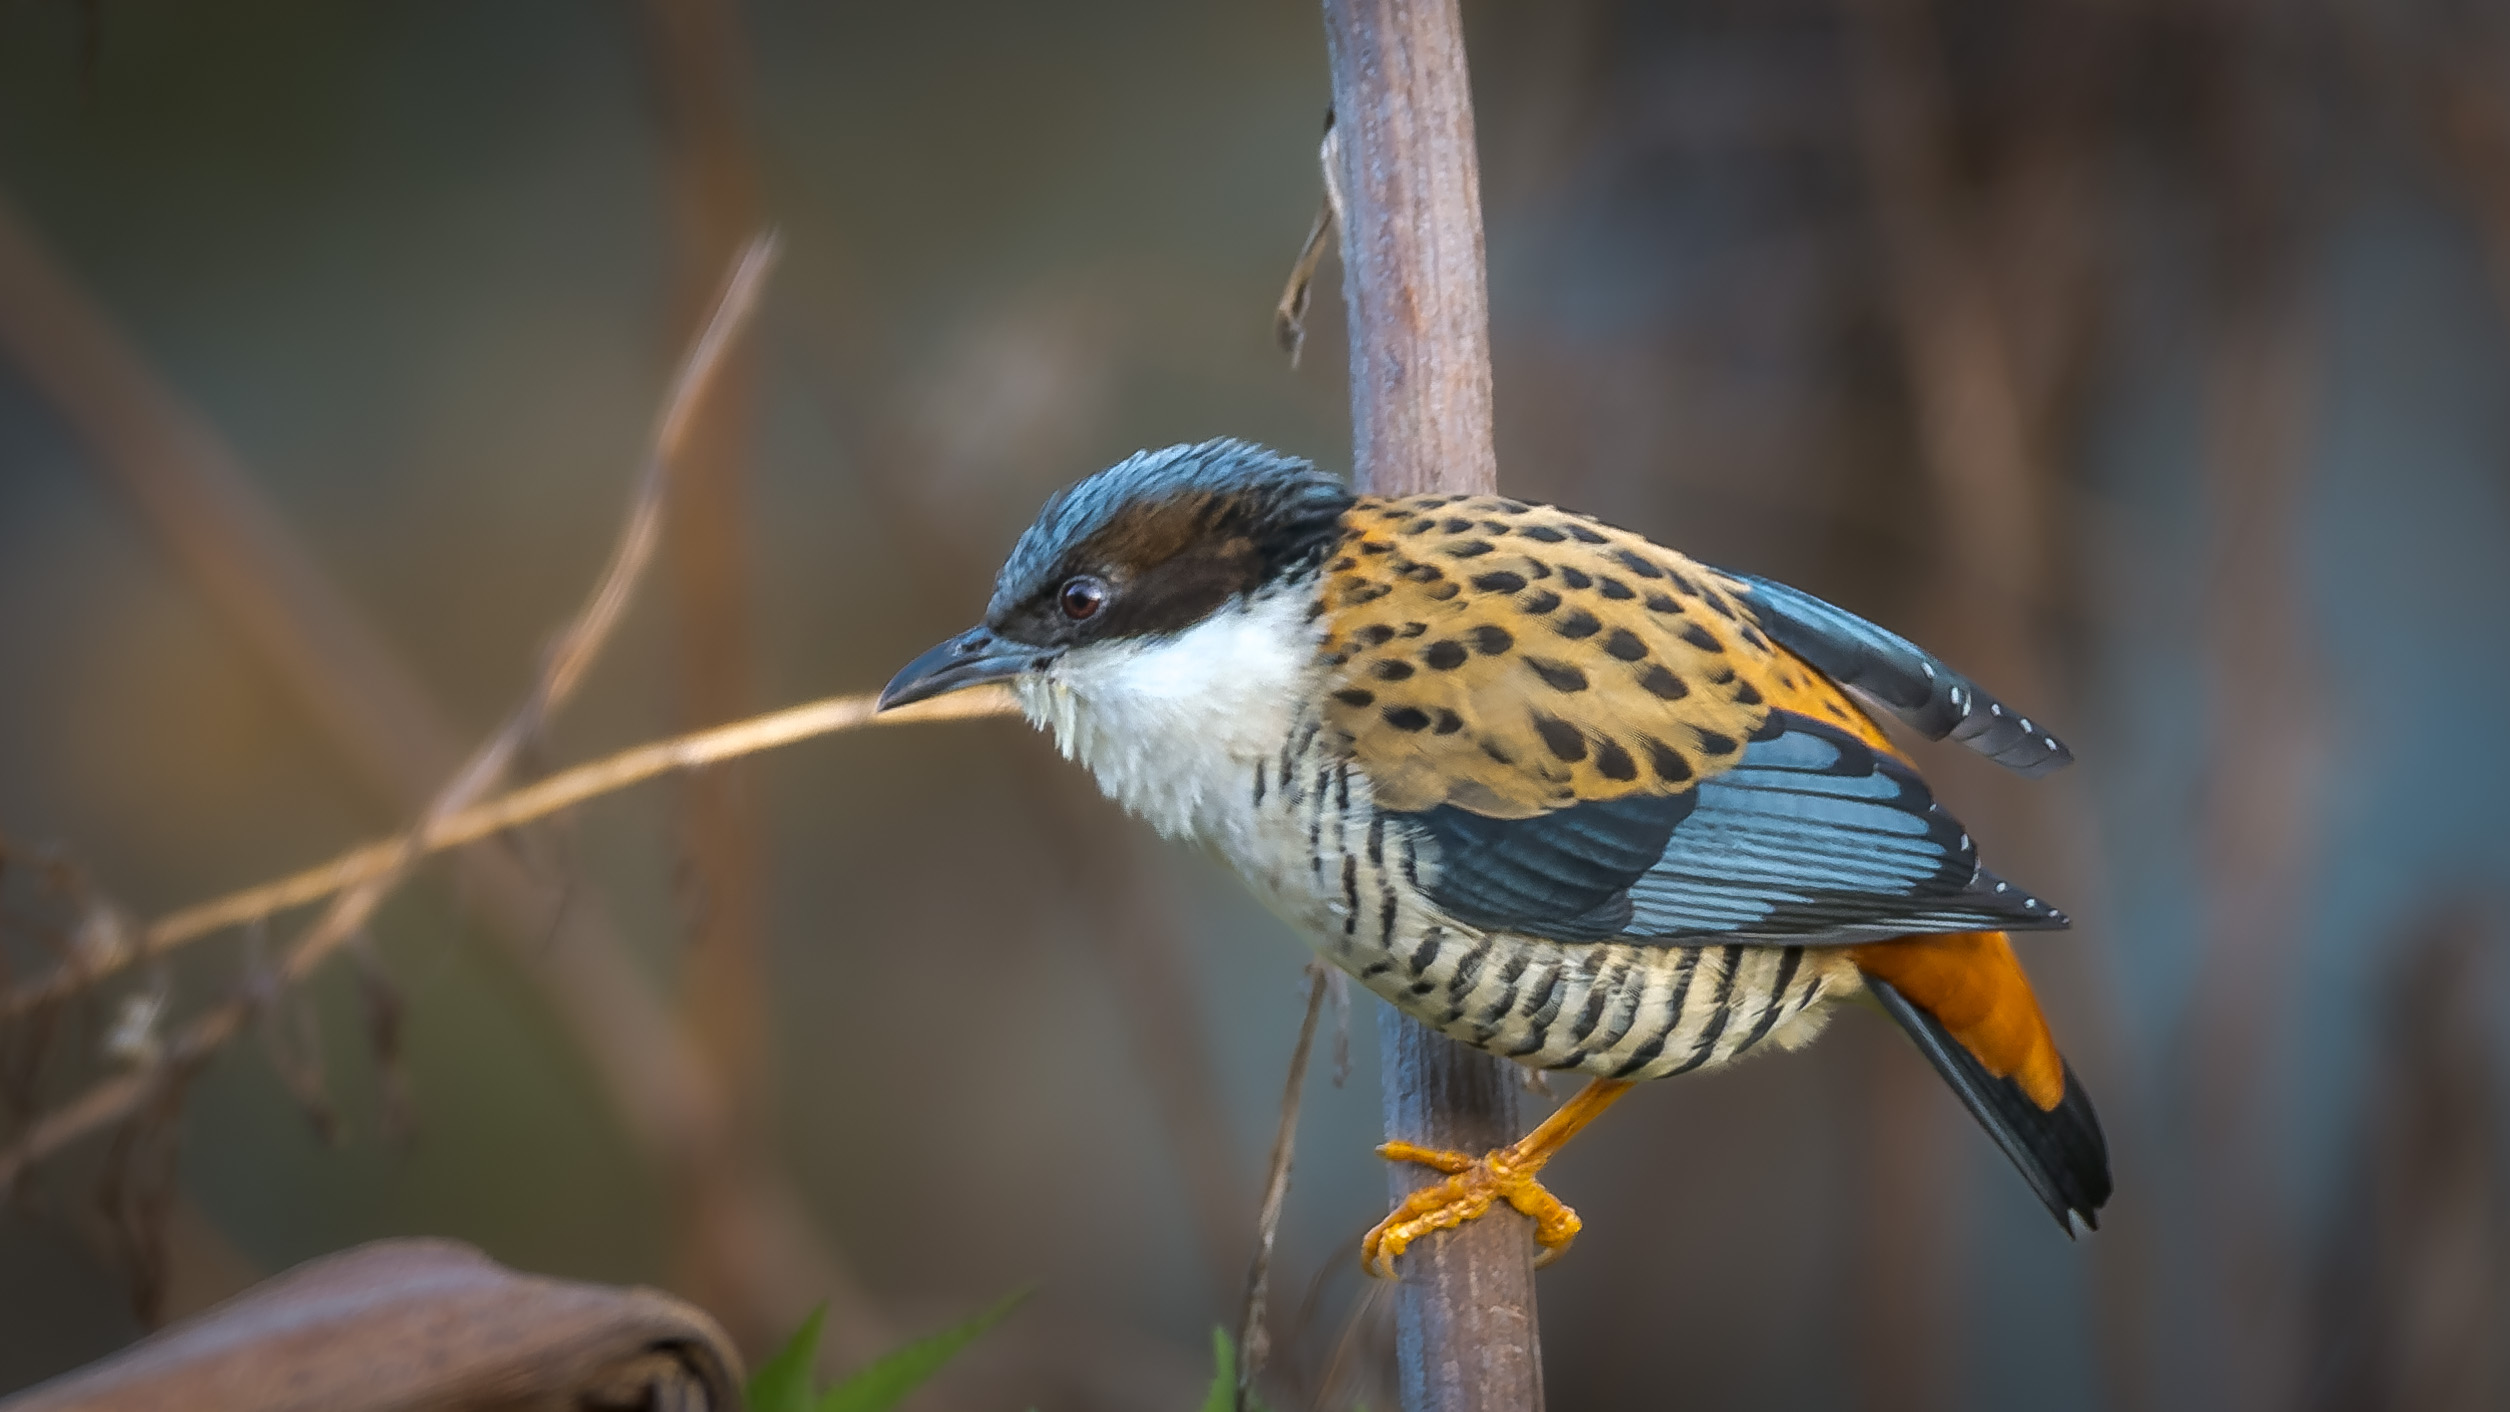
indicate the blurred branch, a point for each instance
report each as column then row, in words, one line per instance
column 1975, row 453
column 1973, row 428
column 694, row 52
column 2416, row 1289
column 194, row 496
column 187, row 486
column 578, row 644
column 2470, row 117
column 2441, row 67
column 1988, row 234
column 2266, row 747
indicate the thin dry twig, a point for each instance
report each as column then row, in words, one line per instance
column 1289, row 317
column 1254, row 1335
column 562, row 670
column 535, row 801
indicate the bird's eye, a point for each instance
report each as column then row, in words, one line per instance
column 1082, row 597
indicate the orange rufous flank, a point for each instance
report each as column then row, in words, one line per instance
column 1973, row 983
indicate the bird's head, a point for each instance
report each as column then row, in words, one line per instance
column 1142, row 581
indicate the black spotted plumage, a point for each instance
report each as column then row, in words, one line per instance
column 1535, row 644
column 1796, row 821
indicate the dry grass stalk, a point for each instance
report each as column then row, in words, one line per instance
column 1254, row 1334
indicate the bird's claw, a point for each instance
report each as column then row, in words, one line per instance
column 1472, row 1185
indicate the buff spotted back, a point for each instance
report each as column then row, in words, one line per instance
column 1509, row 658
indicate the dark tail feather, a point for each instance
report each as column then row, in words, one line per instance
column 2059, row 1151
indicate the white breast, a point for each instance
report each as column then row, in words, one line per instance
column 1174, row 727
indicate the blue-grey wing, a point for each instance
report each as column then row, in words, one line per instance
column 1918, row 688
column 1812, row 837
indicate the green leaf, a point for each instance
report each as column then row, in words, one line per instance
column 783, row 1383
column 887, row 1381
column 1223, row 1396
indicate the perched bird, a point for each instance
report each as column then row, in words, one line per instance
column 1555, row 791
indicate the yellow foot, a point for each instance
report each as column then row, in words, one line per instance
column 1471, row 1186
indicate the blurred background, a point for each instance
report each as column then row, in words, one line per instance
column 2147, row 359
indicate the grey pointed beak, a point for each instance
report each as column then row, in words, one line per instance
column 973, row 658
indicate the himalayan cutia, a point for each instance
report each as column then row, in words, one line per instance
column 1553, row 790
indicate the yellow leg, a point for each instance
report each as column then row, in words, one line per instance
column 1473, row 1183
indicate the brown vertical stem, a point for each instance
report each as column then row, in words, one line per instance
column 1421, row 421
column 1412, row 248
column 696, row 61
column 1466, row 1336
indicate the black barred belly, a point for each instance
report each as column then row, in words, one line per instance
column 1315, row 847
column 1610, row 1009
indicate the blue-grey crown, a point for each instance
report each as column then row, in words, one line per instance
column 1286, row 503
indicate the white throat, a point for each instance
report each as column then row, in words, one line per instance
column 1173, row 726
